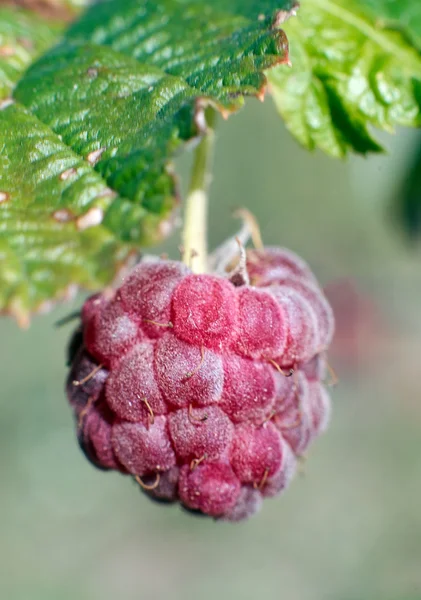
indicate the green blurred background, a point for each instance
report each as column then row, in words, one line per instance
column 349, row 528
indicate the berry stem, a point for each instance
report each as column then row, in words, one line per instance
column 196, row 211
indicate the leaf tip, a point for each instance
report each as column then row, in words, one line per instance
column 63, row 215
column 107, row 193
column 21, row 314
column 67, row 174
column 262, row 93
column 94, row 156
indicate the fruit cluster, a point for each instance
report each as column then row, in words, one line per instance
column 205, row 391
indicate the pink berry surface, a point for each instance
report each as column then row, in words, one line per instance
column 204, row 390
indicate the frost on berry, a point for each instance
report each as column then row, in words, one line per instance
column 91, row 307
column 319, row 305
column 200, row 433
column 249, row 389
column 262, row 327
column 320, row 407
column 187, row 374
column 303, row 335
column 295, row 422
column 279, row 481
column 148, row 291
column 210, row 487
column 306, row 417
column 166, row 490
column 205, row 311
column 256, row 453
column 248, row 504
column 204, row 392
column 270, row 265
column 94, row 433
column 289, row 390
column 85, row 381
column 143, row 449
column 131, row 390
column 110, row 332
column 316, row 368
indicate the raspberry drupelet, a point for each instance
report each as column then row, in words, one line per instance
column 205, row 392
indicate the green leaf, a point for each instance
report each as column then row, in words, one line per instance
column 85, row 175
column 404, row 15
column 23, row 36
column 407, row 202
column 43, row 249
column 349, row 73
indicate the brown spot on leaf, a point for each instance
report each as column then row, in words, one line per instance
column 107, row 193
column 92, row 73
column 68, row 173
column 94, row 157
column 4, row 197
column 63, row 215
column 91, row 218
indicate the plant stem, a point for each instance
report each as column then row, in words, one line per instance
column 196, row 211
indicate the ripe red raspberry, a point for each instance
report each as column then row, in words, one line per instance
column 203, row 391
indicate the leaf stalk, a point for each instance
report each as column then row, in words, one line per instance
column 195, row 251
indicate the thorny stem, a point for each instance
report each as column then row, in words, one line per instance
column 196, row 211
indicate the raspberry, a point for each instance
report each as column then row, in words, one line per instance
column 204, row 310
column 249, row 389
column 316, row 368
column 303, row 335
column 274, row 264
column 187, row 376
column 295, row 424
column 203, row 391
column 319, row 305
column 200, row 432
column 110, row 332
column 320, row 407
column 81, row 386
column 256, row 453
column 148, row 293
column 143, row 449
column 95, row 437
column 211, row 488
column 261, row 324
column 166, row 490
column 131, row 389
column 248, row 503
column 282, row 478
